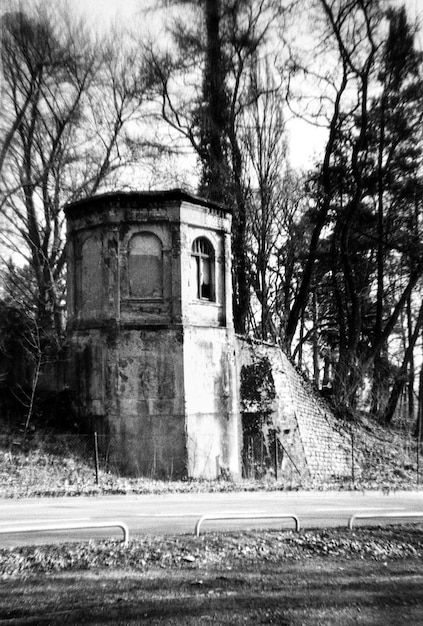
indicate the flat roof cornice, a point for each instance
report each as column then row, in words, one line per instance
column 143, row 197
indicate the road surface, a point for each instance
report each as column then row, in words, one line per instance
column 178, row 513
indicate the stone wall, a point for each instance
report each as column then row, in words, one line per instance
column 153, row 355
column 314, row 444
column 130, row 388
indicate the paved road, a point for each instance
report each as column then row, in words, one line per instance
column 178, row 513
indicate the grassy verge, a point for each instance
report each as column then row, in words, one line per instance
column 50, row 462
column 372, row 576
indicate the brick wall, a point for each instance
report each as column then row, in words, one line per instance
column 315, row 445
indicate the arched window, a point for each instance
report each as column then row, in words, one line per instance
column 203, row 268
column 145, row 266
column 90, row 296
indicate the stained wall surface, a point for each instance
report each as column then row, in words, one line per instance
column 153, row 354
column 131, row 389
column 315, row 445
column 155, row 363
column 211, row 401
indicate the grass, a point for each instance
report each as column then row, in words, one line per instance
column 328, row 577
column 302, row 593
column 55, row 463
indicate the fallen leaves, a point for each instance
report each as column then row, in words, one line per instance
column 227, row 550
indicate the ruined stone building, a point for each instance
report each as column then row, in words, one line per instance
column 155, row 362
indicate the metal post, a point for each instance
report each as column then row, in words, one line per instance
column 352, row 458
column 261, row 453
column 250, row 458
column 419, row 424
column 96, row 456
column 276, row 455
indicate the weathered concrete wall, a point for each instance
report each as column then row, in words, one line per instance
column 146, row 411
column 212, row 409
column 101, row 231
column 131, row 388
column 315, row 445
column 153, row 361
column 211, row 402
column 213, row 225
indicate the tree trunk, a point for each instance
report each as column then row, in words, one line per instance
column 321, row 216
column 419, row 425
column 316, row 364
column 411, row 369
column 214, row 121
column 401, row 378
column 379, row 376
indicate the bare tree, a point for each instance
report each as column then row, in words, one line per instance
column 348, row 38
column 66, row 99
column 201, row 87
column 269, row 183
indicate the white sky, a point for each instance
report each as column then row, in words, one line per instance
column 109, row 10
column 305, row 140
column 304, row 143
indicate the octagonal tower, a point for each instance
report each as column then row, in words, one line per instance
column 150, row 326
